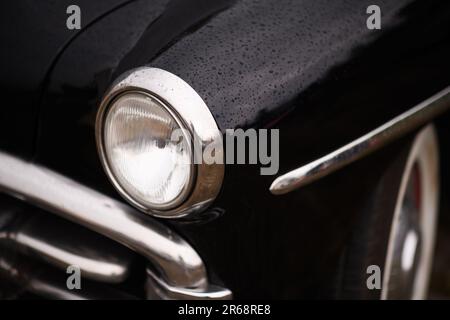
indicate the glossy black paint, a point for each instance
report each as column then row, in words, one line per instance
column 311, row 69
column 256, row 57
column 32, row 35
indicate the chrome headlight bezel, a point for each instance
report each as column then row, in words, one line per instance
column 191, row 113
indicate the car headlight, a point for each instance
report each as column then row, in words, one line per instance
column 142, row 157
column 145, row 130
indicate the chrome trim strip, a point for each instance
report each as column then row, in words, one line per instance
column 185, row 104
column 172, row 258
column 368, row 143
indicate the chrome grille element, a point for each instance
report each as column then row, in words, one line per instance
column 173, row 261
column 62, row 244
column 47, row 283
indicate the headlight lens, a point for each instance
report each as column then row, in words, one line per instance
column 148, row 166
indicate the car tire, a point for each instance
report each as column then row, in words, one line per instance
column 390, row 251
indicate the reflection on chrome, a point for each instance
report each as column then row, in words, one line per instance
column 374, row 140
column 47, row 284
column 409, row 251
column 173, row 260
column 62, row 243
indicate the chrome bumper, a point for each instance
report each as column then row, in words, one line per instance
column 175, row 270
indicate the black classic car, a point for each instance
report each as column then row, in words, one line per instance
column 220, row 149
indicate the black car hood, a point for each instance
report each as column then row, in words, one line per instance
column 33, row 34
column 251, row 61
